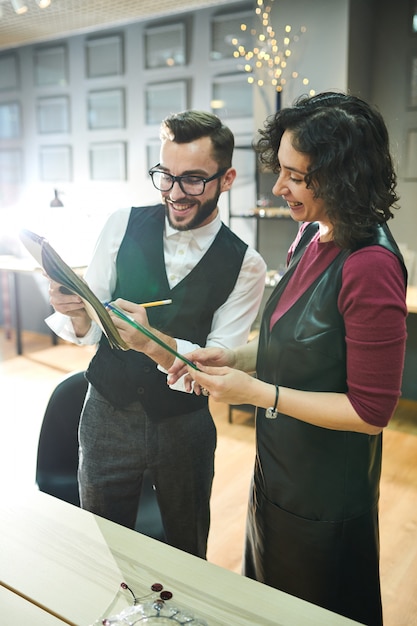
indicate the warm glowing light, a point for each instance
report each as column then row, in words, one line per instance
column 268, row 58
column 217, row 104
column 19, row 7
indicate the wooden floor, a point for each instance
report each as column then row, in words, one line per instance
column 27, row 381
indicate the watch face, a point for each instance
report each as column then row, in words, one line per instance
column 271, row 413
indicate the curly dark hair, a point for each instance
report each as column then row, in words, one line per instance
column 351, row 168
column 190, row 125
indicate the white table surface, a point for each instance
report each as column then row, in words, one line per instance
column 71, row 563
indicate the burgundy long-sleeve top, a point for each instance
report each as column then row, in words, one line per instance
column 372, row 303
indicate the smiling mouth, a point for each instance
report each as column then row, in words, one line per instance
column 294, row 205
column 181, row 207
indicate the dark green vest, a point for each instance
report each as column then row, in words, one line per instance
column 125, row 376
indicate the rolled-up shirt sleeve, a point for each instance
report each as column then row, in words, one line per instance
column 100, row 277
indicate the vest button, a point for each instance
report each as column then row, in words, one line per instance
column 147, row 369
column 140, row 391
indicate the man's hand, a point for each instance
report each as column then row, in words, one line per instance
column 68, row 303
column 136, row 340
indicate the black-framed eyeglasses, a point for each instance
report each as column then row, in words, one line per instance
column 190, row 185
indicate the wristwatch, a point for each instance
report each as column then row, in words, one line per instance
column 272, row 412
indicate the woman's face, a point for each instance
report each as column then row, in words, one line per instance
column 292, row 187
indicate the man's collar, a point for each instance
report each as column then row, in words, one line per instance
column 201, row 235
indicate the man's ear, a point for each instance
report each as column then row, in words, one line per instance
column 228, row 178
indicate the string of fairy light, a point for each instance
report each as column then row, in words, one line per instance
column 268, row 61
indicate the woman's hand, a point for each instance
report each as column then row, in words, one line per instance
column 225, row 384
column 207, row 356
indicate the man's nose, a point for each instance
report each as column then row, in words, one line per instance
column 176, row 192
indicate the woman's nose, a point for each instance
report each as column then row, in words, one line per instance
column 279, row 189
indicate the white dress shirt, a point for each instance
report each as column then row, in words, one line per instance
column 183, row 250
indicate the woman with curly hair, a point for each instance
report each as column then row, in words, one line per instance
column 328, row 361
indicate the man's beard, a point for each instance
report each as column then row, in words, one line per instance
column 204, row 211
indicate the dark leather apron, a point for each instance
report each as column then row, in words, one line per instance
column 312, row 528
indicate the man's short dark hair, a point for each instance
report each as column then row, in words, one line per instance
column 190, row 125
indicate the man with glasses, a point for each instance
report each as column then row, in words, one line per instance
column 178, row 250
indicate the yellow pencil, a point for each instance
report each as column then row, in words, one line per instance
column 156, row 303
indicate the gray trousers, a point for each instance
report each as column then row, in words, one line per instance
column 118, row 445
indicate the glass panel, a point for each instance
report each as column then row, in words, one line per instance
column 10, row 166
column 414, row 16
column 232, row 97
column 225, row 28
column 243, row 189
column 152, row 153
column 108, row 161
column 165, row 46
column 50, row 66
column 105, row 56
column 161, row 100
column 106, row 109
column 412, row 96
column 55, row 163
column 53, row 115
column 9, row 78
column 9, row 120
column 411, row 155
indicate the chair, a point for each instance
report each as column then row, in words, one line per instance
column 57, row 456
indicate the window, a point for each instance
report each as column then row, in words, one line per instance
column 108, row 161
column 55, row 163
column 9, row 78
column 225, row 28
column 53, row 115
column 10, row 166
column 165, row 46
column 412, row 82
column 152, row 153
column 104, row 56
column 10, row 120
column 106, row 109
column 51, row 66
column 232, row 96
column 163, row 99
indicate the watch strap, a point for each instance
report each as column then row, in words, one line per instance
column 272, row 412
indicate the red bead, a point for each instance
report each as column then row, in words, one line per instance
column 165, row 595
column 123, row 585
column 157, row 587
